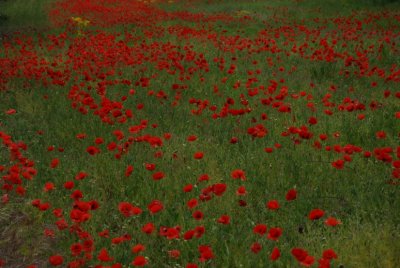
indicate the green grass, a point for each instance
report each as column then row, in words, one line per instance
column 357, row 195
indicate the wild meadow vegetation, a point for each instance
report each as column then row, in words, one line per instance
column 199, row 133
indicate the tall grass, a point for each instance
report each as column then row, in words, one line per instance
column 357, row 195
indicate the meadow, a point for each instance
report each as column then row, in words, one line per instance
column 201, row 133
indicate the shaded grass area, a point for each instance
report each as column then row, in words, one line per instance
column 328, row 8
column 22, row 241
column 23, row 16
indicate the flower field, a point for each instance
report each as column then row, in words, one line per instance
column 200, row 134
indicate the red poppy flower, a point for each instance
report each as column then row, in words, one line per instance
column 219, row 189
column 49, row 186
column 367, row 154
column 139, row 261
column 167, row 136
column 381, row 134
column 149, row 166
column 191, row 138
column 224, row 219
column 242, row 203
column 332, row 221
column 396, row 173
column 324, row 263
column 291, row 195
column 54, row 163
column 269, row 150
column 94, row 204
column 299, row 253
column 117, row 240
column 128, row 171
column 198, row 215
column 172, row 233
column 396, row 164
column 99, row 140
column 175, row 253
column 148, row 228
column 76, row 249
column 56, row 260
column 158, row 176
column 257, row 131
column 323, row 137
column 58, row 212
column 241, row 190
column 273, row 205
column 206, row 253
column 203, row 177
column 44, row 206
column 274, row 233
column 198, row 155
column 312, row 120
column 316, row 214
column 93, row 150
column 192, row 203
column 79, row 216
column 80, row 176
column 275, row 254
column 118, row 134
column 104, row 233
column 256, row 247
column 49, row 233
column 347, row 158
column 104, row 256
column 188, row 188
column 308, row 261
column 338, row 164
column 88, row 245
column 189, row 234
column 329, row 254
column 238, row 174
column 138, row 248
column 11, row 111
column 77, row 194
column 361, row 116
column 128, row 209
column 260, row 229
column 155, row 206
column 69, row 185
